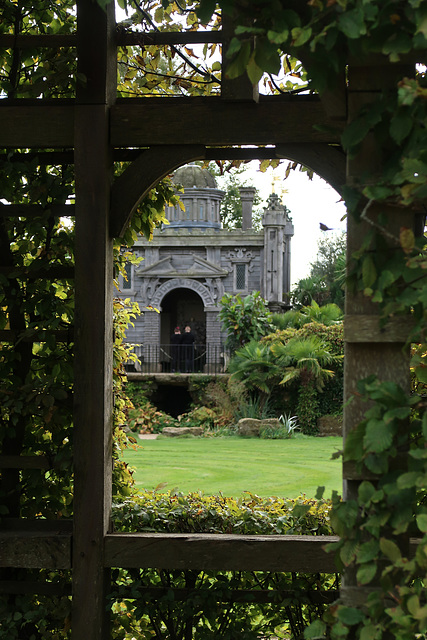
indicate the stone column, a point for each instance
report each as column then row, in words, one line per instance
column 213, row 340
column 275, row 222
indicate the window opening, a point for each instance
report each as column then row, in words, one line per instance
column 240, row 276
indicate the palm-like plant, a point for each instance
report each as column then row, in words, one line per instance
column 305, row 359
column 326, row 314
column 255, row 365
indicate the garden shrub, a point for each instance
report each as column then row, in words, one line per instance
column 148, row 419
column 329, row 400
column 194, row 604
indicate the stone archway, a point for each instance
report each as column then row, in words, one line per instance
column 183, row 283
column 182, row 307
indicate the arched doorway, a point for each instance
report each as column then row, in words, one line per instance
column 182, row 307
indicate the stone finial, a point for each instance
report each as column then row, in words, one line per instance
column 247, row 195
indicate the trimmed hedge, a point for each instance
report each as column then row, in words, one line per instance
column 195, row 605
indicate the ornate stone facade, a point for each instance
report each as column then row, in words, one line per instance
column 192, row 262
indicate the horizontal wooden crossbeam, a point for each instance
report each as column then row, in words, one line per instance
column 261, row 596
column 305, row 554
column 35, row 550
column 25, row 462
column 33, row 210
column 37, row 335
column 140, row 122
column 213, row 121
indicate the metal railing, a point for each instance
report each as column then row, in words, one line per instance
column 169, row 358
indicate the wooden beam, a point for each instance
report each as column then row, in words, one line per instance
column 33, row 210
column 93, row 391
column 150, row 167
column 25, row 462
column 149, row 121
column 261, row 596
column 35, row 550
column 36, row 125
column 218, row 552
column 212, row 122
column 37, row 335
column 35, row 41
column 50, row 272
column 367, row 328
column 328, row 161
column 39, row 588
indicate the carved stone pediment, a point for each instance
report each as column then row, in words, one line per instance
column 181, row 265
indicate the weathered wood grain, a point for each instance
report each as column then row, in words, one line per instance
column 220, row 552
column 44, row 126
column 185, row 121
column 93, row 391
column 35, row 550
column 367, row 328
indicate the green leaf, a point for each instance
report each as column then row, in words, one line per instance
column 278, row 37
column 368, row 551
column 390, row 549
column 353, row 447
column 401, row 126
column 301, row 36
column 267, row 56
column 205, row 10
column 366, row 573
column 366, row 491
column 348, row 551
column 352, row 24
column 319, row 493
column 237, row 67
column 254, row 72
column 369, row 632
column 369, row 271
column 378, row 436
column 315, row 630
column 422, row 522
column 408, row 480
column 350, row 615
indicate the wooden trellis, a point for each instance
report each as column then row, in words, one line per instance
column 160, row 135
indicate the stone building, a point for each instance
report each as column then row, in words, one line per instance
column 193, row 261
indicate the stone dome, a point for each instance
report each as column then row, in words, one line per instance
column 191, row 175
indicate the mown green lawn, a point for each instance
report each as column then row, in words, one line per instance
column 286, row 468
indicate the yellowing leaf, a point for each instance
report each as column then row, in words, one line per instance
column 407, row 239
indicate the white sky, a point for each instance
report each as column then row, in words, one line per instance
column 310, row 202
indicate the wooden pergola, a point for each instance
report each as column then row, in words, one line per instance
column 160, row 134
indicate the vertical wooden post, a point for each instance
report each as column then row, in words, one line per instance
column 239, row 88
column 367, row 349
column 94, row 316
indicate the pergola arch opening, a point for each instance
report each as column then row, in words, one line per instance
column 155, row 163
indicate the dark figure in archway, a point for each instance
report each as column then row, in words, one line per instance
column 187, row 342
column 176, row 349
